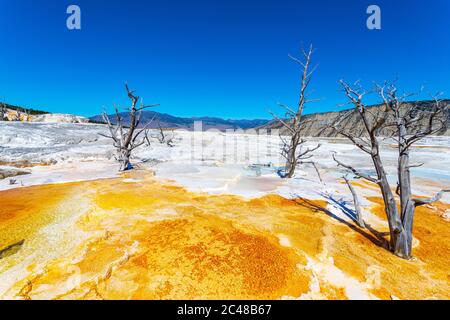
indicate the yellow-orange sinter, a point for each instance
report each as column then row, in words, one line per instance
column 136, row 238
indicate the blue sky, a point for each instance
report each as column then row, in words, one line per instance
column 216, row 58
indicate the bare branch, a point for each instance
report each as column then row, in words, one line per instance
column 415, row 165
column 423, row 201
column 358, row 211
column 287, row 126
column 355, row 172
column 308, row 150
column 315, row 168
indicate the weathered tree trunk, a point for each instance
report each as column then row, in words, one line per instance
column 394, row 221
column 289, row 170
column 291, row 159
column 403, row 246
column 358, row 211
column 124, row 160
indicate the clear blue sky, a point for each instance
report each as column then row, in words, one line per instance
column 223, row 58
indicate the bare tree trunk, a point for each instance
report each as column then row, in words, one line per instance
column 393, row 217
column 358, row 211
column 403, row 245
column 291, row 159
column 124, row 159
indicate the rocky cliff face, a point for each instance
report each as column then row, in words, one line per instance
column 17, row 115
column 318, row 124
column 58, row 117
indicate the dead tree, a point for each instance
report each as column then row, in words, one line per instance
column 147, row 139
column 293, row 150
column 127, row 138
column 409, row 123
column 356, row 202
column 163, row 138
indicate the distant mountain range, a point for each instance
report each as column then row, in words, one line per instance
column 168, row 121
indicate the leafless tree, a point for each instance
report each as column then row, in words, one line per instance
column 147, row 139
column 163, row 138
column 293, row 150
column 410, row 123
column 127, row 138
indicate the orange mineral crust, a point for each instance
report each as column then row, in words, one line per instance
column 136, row 238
